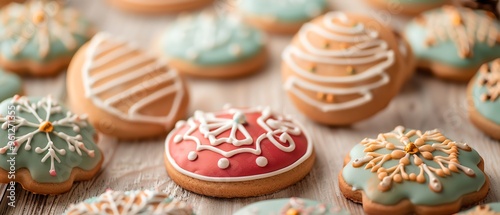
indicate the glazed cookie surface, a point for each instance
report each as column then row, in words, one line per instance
column 484, row 99
column 407, row 7
column 486, row 209
column 238, row 153
column 287, row 206
column 126, row 92
column 338, row 70
column 159, row 6
column 10, row 85
column 408, row 171
column 209, row 45
column 52, row 148
column 130, row 203
column 453, row 42
column 281, row 16
column 39, row 37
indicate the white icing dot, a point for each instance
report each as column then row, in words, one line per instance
column 223, row 163
column 261, row 161
column 354, row 188
column 178, row 138
column 192, row 156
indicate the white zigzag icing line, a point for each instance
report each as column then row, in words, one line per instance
column 369, row 49
column 115, row 52
column 272, row 127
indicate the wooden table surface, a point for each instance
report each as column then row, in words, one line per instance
column 424, row 103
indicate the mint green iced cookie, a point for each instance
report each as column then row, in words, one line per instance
column 290, row 206
column 10, row 85
column 486, row 209
column 54, row 145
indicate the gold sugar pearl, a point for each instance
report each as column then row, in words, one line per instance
column 411, row 148
column 330, row 98
column 456, row 19
column 292, row 211
column 39, row 17
column 343, row 46
column 350, row 70
column 46, row 127
column 320, row 95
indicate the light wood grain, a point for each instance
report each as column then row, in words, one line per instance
column 424, row 103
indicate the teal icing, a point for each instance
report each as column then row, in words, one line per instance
column 275, row 206
column 493, row 207
column 65, row 22
column 454, row 186
column 10, row 85
column 446, row 51
column 209, row 39
column 416, row 2
column 489, row 109
column 32, row 160
column 283, row 10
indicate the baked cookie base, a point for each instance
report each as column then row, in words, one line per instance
column 487, row 126
column 272, row 25
column 448, row 72
column 405, row 206
column 157, row 7
column 250, row 188
column 31, row 68
column 23, row 177
column 397, row 8
column 233, row 70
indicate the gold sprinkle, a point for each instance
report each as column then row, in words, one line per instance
column 350, row 70
column 456, row 19
column 46, row 127
column 330, row 98
column 292, row 211
column 411, row 148
column 343, row 46
column 320, row 95
column 312, row 68
column 326, row 45
column 38, row 17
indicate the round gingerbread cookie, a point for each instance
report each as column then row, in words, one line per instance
column 408, row 171
column 342, row 68
column 44, row 147
column 407, row 7
column 134, row 202
column 126, row 92
column 280, row 16
column 10, row 85
column 290, row 206
column 238, row 153
column 483, row 96
column 486, row 209
column 453, row 42
column 159, row 6
column 39, row 37
column 211, row 46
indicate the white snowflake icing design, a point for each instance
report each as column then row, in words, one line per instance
column 278, row 131
column 417, row 151
column 489, row 77
column 131, row 202
column 298, row 206
column 42, row 22
column 45, row 126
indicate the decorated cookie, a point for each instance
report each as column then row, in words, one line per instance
column 342, row 68
column 159, row 6
column 290, row 206
column 408, row 171
column 452, row 42
column 10, row 85
column 40, row 37
column 407, row 7
column 44, row 147
column 487, row 5
column 130, row 203
column 280, row 16
column 486, row 209
column 238, row 153
column 211, row 46
column 126, row 92
column 484, row 99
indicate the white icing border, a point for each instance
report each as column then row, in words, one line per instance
column 240, row 178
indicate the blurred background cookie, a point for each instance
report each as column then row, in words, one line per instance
column 210, row 45
column 39, row 37
column 52, row 148
column 290, row 206
column 342, row 68
column 280, row 16
column 159, row 6
column 238, row 153
column 484, row 209
column 10, row 85
column 483, row 95
column 407, row 7
column 452, row 42
column 127, row 93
